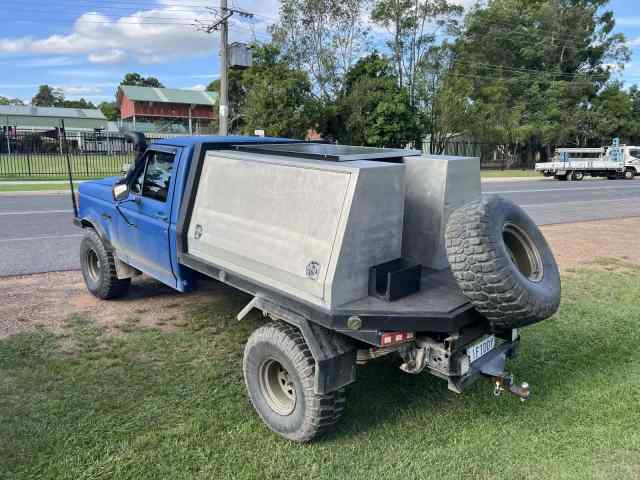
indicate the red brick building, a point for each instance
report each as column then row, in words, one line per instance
column 167, row 109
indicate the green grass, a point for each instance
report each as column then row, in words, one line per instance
column 509, row 173
column 34, row 187
column 54, row 166
column 149, row 404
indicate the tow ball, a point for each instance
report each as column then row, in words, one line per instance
column 500, row 384
column 502, row 380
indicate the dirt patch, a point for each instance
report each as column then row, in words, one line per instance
column 587, row 242
column 48, row 300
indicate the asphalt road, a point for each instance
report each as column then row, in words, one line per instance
column 36, row 233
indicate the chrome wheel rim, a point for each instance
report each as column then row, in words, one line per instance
column 523, row 253
column 277, row 388
column 93, row 265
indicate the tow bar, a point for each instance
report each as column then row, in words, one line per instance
column 503, row 380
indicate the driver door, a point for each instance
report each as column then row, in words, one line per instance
column 143, row 226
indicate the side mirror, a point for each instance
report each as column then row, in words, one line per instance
column 120, row 192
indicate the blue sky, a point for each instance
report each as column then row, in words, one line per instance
column 85, row 47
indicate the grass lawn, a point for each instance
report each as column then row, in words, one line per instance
column 149, row 404
column 509, row 173
column 33, row 187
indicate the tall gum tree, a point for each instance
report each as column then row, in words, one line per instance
column 546, row 59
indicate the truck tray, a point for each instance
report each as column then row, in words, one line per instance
column 439, row 295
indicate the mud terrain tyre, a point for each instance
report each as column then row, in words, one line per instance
column 279, row 375
column 502, row 263
column 99, row 268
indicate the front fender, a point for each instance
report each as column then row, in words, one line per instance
column 89, row 222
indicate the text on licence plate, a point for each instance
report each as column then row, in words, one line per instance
column 474, row 352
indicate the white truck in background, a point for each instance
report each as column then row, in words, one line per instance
column 616, row 161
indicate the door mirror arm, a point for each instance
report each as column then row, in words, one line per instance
column 122, row 195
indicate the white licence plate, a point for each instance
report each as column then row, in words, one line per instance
column 474, row 352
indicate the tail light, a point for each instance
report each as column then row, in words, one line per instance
column 393, row 338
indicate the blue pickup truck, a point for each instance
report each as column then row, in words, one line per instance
column 354, row 253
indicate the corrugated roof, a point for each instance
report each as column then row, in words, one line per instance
column 169, row 95
column 55, row 112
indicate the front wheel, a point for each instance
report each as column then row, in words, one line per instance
column 279, row 374
column 99, row 268
column 629, row 174
column 578, row 176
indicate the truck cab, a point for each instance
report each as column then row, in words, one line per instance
column 136, row 215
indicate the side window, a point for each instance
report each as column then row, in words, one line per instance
column 158, row 175
column 635, row 154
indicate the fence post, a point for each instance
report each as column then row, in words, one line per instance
column 84, row 150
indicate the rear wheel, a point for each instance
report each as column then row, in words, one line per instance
column 99, row 268
column 279, row 373
column 578, row 176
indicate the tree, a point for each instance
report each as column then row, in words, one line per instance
column 236, row 93
column 442, row 98
column 82, row 103
column 48, row 97
column 408, row 22
column 372, row 109
column 138, row 80
column 10, row 101
column 277, row 96
column 419, row 62
column 540, row 63
column 110, row 110
column 322, row 37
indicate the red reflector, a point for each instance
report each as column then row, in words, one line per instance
column 393, row 338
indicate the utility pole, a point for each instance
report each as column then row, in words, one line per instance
column 223, row 112
column 222, row 24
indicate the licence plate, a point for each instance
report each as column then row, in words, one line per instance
column 474, row 352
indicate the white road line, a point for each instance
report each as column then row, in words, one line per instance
column 42, row 237
column 634, row 187
column 555, row 204
column 34, row 212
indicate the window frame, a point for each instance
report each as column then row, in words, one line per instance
column 145, row 164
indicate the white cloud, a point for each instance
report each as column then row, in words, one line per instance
column 199, row 86
column 115, row 55
column 149, row 36
column 75, row 90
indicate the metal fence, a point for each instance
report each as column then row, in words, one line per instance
column 43, row 154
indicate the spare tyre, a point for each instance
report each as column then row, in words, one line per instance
column 502, row 263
